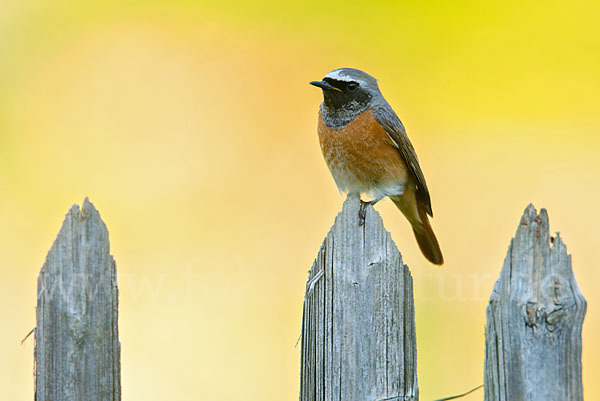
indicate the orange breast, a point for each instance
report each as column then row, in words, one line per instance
column 362, row 157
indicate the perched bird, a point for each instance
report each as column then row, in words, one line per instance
column 367, row 151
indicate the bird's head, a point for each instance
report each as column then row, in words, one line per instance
column 348, row 89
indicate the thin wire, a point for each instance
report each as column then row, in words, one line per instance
column 27, row 336
column 461, row 395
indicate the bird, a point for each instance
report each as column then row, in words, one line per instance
column 367, row 150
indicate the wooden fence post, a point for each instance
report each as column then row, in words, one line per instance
column 358, row 327
column 77, row 350
column 534, row 319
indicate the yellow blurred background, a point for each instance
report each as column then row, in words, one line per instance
column 192, row 128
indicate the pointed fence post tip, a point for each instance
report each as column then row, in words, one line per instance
column 77, row 350
column 358, row 328
column 534, row 320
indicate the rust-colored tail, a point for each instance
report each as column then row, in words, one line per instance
column 415, row 212
column 428, row 242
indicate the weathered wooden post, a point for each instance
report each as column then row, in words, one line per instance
column 77, row 350
column 358, row 327
column 534, row 319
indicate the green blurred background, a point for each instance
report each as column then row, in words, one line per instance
column 192, row 127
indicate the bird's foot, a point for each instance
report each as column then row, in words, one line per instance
column 362, row 212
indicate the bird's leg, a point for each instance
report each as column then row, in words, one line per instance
column 362, row 212
column 374, row 201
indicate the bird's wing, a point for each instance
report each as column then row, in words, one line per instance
column 394, row 128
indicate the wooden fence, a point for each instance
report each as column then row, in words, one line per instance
column 358, row 325
column 534, row 319
column 77, row 349
column 358, row 328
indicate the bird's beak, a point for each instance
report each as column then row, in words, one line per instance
column 325, row 86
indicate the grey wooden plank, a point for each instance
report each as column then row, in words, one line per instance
column 534, row 320
column 77, row 350
column 358, row 331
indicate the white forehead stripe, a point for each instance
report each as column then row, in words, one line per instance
column 341, row 75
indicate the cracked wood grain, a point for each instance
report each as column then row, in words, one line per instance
column 77, row 350
column 534, row 320
column 358, row 325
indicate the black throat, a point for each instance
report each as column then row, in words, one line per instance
column 339, row 108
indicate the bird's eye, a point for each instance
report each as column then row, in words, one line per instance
column 352, row 86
